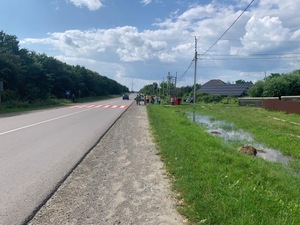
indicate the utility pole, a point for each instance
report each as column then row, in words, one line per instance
column 172, row 80
column 175, row 79
column 265, row 75
column 195, row 71
column 175, row 85
column 169, row 77
column 163, row 86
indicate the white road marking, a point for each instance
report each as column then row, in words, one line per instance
column 42, row 122
column 99, row 106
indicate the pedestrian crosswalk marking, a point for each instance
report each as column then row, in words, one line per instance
column 98, row 106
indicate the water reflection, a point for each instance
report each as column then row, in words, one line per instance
column 231, row 134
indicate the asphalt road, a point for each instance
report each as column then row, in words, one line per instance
column 38, row 149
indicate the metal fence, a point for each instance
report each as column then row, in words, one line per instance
column 253, row 101
column 289, row 106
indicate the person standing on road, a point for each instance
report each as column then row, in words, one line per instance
column 138, row 99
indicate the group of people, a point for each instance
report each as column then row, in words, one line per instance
column 147, row 99
column 175, row 101
column 155, row 99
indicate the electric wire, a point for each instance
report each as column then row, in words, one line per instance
column 182, row 76
column 266, row 56
column 185, row 72
column 227, row 29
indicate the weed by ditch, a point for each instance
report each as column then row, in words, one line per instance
column 218, row 184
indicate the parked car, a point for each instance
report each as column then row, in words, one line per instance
column 125, row 97
column 189, row 100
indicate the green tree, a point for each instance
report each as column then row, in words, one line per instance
column 257, row 89
column 293, row 83
column 240, row 82
column 277, row 85
column 273, row 75
column 30, row 76
column 10, row 64
column 147, row 89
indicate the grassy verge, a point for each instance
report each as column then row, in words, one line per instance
column 217, row 184
column 18, row 106
column 278, row 130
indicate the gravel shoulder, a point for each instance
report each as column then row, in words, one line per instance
column 121, row 181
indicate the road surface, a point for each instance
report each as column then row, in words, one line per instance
column 39, row 149
column 121, row 181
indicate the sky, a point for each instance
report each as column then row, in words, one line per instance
column 138, row 42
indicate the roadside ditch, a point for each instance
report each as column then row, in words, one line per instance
column 234, row 136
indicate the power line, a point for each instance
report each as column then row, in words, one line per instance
column 247, row 40
column 181, row 76
column 259, row 54
column 185, row 72
column 282, row 56
column 227, row 29
column 252, row 58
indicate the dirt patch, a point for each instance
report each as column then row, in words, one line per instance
column 250, row 150
column 121, row 181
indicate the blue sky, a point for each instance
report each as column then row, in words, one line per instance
column 138, row 42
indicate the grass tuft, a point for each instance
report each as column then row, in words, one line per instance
column 219, row 185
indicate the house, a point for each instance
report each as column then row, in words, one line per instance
column 218, row 87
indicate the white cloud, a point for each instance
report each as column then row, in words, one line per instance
column 169, row 46
column 76, row 60
column 90, row 4
column 145, row 2
column 264, row 34
column 197, row 13
column 127, row 42
column 165, row 57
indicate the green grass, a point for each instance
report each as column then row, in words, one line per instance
column 219, row 185
column 278, row 130
column 21, row 106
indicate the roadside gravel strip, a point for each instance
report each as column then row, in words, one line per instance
column 121, row 181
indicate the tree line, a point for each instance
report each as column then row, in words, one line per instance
column 164, row 89
column 277, row 85
column 29, row 76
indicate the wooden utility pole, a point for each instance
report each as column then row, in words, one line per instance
column 163, row 87
column 195, row 71
column 169, row 77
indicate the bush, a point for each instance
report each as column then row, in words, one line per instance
column 211, row 98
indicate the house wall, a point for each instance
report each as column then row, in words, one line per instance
column 285, row 106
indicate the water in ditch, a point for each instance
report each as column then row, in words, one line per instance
column 231, row 134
